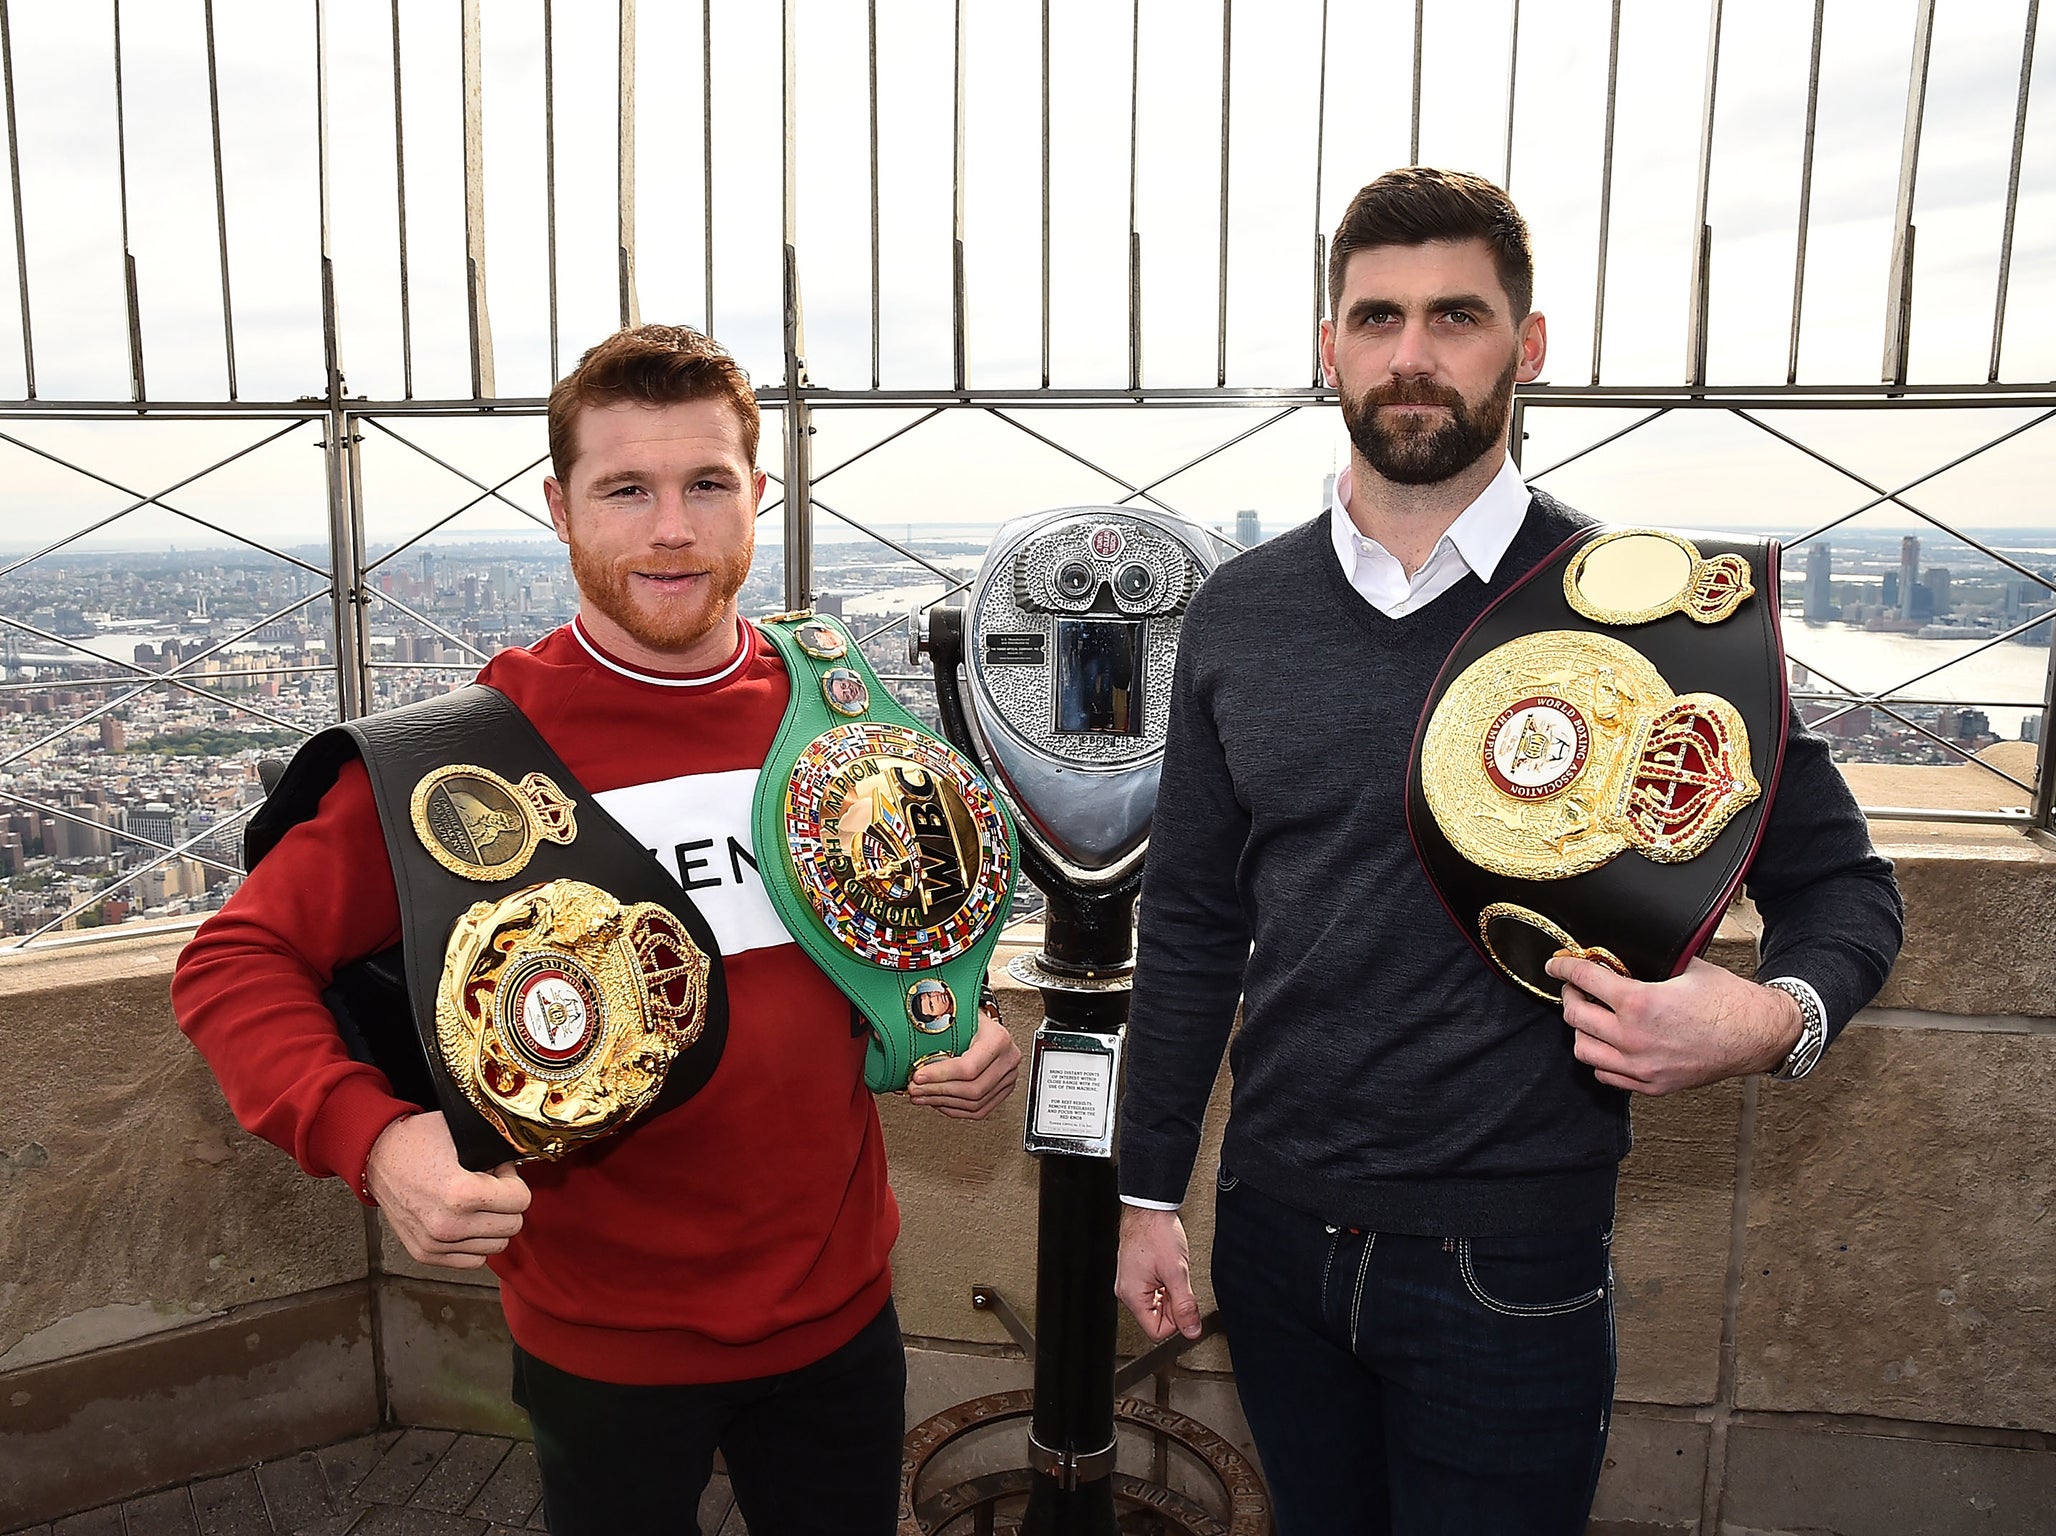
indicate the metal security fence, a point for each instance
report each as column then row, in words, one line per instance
column 1052, row 253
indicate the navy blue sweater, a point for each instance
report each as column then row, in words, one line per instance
column 1384, row 1075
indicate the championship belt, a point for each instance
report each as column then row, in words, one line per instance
column 885, row 853
column 1596, row 760
column 553, row 982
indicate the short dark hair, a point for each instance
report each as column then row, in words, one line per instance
column 649, row 365
column 1418, row 204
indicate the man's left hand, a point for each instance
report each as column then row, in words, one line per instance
column 1659, row 1037
column 973, row 1085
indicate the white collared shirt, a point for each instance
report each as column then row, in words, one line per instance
column 1475, row 542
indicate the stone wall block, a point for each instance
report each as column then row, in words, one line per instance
column 1675, row 1220
column 1959, row 901
column 267, row 1381
column 1802, row 1481
column 130, row 1201
column 1653, row 1479
column 1901, row 1250
column 449, row 1359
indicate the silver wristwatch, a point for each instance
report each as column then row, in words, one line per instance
column 1813, row 1030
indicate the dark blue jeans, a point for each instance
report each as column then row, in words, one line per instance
column 1419, row 1386
column 812, row 1452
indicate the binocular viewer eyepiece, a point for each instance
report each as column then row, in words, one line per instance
column 1067, row 642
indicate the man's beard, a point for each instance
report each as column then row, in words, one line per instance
column 607, row 587
column 1419, row 454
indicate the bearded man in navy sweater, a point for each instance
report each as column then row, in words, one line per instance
column 1417, row 1183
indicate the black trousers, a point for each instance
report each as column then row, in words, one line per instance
column 812, row 1452
column 1417, row 1386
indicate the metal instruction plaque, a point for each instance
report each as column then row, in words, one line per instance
column 1073, row 1077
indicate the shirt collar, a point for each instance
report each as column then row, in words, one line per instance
column 1480, row 534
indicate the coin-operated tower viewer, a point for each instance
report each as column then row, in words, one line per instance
column 1065, row 649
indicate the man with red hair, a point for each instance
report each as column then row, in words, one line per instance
column 716, row 1275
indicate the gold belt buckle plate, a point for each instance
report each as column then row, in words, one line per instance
column 1556, row 752
column 560, row 1011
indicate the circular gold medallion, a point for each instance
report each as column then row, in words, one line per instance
column 473, row 822
column 845, row 691
column 897, row 843
column 930, row 1007
column 820, row 641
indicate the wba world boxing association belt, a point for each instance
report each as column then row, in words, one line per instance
column 553, row 983
column 1596, row 759
column 884, row 851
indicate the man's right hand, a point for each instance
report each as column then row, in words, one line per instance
column 441, row 1210
column 1155, row 1279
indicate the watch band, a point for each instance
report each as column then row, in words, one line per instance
column 1813, row 1029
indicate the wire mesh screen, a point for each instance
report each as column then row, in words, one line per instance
column 292, row 281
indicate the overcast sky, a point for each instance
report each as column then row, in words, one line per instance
column 967, row 467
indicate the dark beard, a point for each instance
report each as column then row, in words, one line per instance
column 1427, row 455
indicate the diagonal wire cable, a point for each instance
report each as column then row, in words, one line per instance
column 101, row 893
column 441, row 463
column 1611, row 437
column 1879, row 703
column 1071, row 453
column 140, row 671
column 1218, row 448
column 65, row 814
column 1896, row 689
column 1898, row 497
column 171, row 677
column 420, row 618
column 142, row 501
column 487, row 494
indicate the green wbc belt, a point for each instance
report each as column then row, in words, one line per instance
column 885, row 853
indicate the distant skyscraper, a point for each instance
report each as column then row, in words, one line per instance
column 1909, row 574
column 1820, row 605
column 1890, row 596
column 1249, row 528
column 1938, row 583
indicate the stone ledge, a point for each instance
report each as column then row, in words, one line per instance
column 263, row 1381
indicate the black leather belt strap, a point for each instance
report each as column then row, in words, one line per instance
column 1653, row 916
column 385, row 1004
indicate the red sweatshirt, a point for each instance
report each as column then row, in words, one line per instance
column 744, row 1233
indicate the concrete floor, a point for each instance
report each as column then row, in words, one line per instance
column 413, row 1482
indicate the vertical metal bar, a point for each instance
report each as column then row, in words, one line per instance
column 2027, row 63
column 400, row 209
column 1320, row 150
column 1517, row 432
column 345, row 536
column 799, row 501
column 1221, row 314
column 872, row 26
column 1413, row 141
column 128, row 258
column 1045, row 193
column 957, row 347
column 1899, row 285
column 1702, row 234
column 1805, row 189
column 707, row 148
column 2045, row 779
column 228, row 312
column 1134, row 232
column 624, row 162
column 549, row 175
column 357, row 661
column 482, row 386
column 1613, row 74
column 21, row 244
column 1513, row 75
